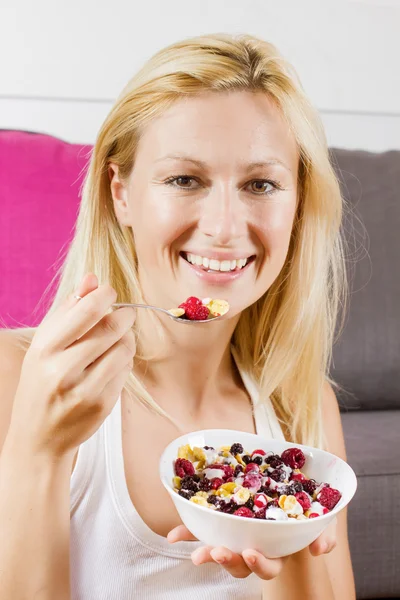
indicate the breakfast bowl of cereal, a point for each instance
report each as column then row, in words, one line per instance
column 241, row 491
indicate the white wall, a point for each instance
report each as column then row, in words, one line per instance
column 63, row 63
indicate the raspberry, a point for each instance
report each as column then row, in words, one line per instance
column 252, row 480
column 260, row 500
column 252, row 468
column 246, row 459
column 278, row 475
column 238, row 470
column 313, row 515
column 325, row 511
column 329, row 497
column 258, row 452
column 193, row 300
column 183, row 467
column 236, row 449
column 227, row 469
column 189, row 483
column 293, row 457
column 244, row 512
column 186, row 494
column 298, row 477
column 309, row 486
column 216, row 482
column 205, row 485
column 195, row 312
column 304, row 500
column 260, row 513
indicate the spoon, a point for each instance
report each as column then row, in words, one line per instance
column 168, row 313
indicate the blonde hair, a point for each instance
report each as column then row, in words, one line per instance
column 285, row 339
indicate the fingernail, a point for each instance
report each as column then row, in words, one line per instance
column 220, row 560
column 251, row 558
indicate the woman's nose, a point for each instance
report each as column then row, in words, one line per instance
column 223, row 215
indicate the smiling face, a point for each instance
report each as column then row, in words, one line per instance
column 211, row 199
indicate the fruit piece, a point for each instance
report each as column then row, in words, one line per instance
column 313, row 515
column 246, row 459
column 177, row 312
column 186, row 452
column 304, row 500
column 193, row 300
column 188, row 483
column 216, row 482
column 238, row 470
column 196, row 312
column 199, row 500
column 294, row 458
column 242, row 496
column 273, row 460
column 252, row 480
column 260, row 513
column 252, row 468
column 260, row 500
column 236, row 448
column 309, row 486
column 244, row 512
column 183, row 467
column 227, row 469
column 278, row 475
column 188, row 494
column 205, row 484
column 298, row 477
column 258, row 452
column 329, row 497
column 294, row 487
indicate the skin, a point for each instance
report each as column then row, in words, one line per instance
column 58, row 394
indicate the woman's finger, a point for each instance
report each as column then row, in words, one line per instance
column 326, row 542
column 230, row 561
column 180, row 534
column 265, row 568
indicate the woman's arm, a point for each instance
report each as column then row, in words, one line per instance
column 34, row 505
column 310, row 573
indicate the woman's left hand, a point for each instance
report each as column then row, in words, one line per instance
column 250, row 561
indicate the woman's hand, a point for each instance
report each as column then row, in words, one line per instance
column 250, row 561
column 72, row 374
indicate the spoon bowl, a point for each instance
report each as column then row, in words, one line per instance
column 168, row 313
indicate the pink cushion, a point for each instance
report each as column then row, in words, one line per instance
column 40, row 180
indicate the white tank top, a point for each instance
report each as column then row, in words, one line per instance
column 114, row 555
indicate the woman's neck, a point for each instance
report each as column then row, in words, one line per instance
column 190, row 364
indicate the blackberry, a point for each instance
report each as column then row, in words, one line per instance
column 249, row 503
column 246, row 459
column 293, row 488
column 189, row 483
column 310, row 486
column 257, row 459
column 208, row 448
column 278, row 475
column 213, row 500
column 186, row 494
column 238, row 470
column 205, row 485
column 274, row 461
column 236, row 449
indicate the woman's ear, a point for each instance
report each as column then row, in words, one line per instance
column 119, row 193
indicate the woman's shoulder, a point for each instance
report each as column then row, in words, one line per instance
column 14, row 344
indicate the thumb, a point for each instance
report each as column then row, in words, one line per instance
column 88, row 284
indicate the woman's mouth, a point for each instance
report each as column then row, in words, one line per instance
column 215, row 268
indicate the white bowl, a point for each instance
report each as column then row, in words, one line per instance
column 273, row 538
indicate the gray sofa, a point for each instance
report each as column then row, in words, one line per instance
column 367, row 364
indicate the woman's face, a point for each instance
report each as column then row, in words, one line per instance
column 211, row 199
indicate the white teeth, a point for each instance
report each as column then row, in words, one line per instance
column 225, row 265
column 214, row 264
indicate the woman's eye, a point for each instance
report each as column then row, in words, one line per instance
column 183, row 181
column 261, row 186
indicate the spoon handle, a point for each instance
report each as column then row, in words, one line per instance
column 121, row 304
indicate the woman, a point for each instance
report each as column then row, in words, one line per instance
column 211, row 178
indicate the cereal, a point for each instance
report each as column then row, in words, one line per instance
column 252, row 485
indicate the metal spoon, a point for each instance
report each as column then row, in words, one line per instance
column 168, row 313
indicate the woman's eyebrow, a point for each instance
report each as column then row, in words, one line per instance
column 247, row 166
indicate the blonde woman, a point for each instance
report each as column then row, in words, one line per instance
column 211, row 157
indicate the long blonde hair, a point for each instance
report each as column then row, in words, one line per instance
column 285, row 339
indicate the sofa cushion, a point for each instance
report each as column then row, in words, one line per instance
column 367, row 356
column 373, row 451
column 39, row 188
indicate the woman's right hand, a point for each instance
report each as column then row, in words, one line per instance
column 73, row 373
